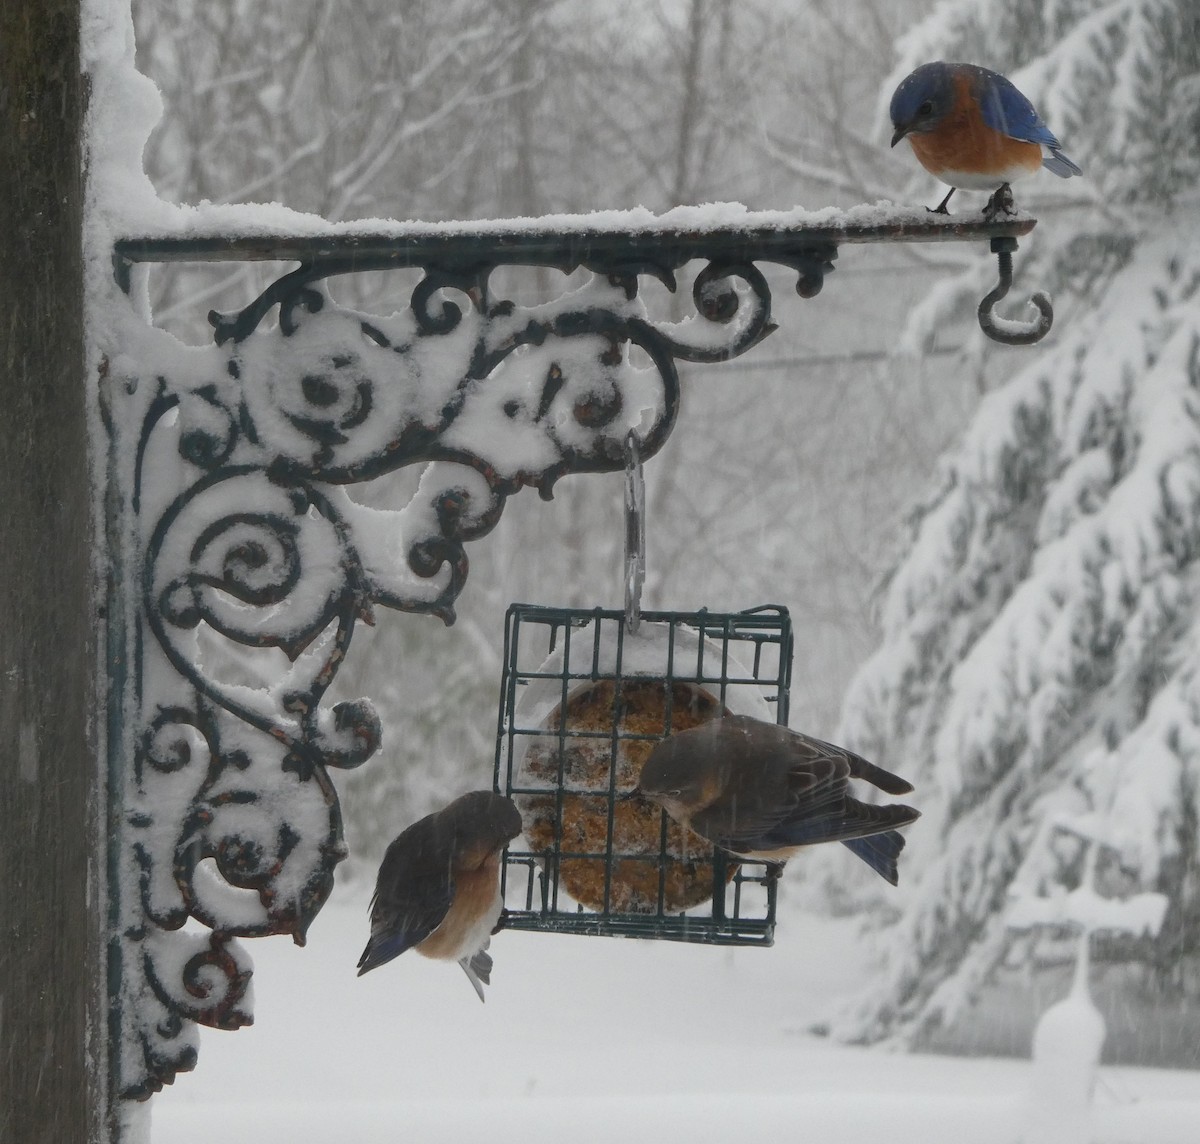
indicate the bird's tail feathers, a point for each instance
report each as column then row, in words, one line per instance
column 1057, row 162
column 478, row 968
column 379, row 951
column 879, row 851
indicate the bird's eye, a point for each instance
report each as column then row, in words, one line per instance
column 926, row 108
column 674, row 793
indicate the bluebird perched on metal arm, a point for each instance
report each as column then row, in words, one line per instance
column 438, row 889
column 763, row 791
column 972, row 128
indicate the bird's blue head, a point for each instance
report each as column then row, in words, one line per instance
column 922, row 100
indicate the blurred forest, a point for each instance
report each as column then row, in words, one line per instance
column 1038, row 675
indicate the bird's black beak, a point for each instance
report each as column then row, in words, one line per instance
column 899, row 134
column 629, row 795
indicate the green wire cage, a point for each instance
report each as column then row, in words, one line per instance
column 583, row 701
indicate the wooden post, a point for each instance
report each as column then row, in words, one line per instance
column 51, row 907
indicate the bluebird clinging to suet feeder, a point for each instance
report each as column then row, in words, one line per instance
column 438, row 889
column 762, row 791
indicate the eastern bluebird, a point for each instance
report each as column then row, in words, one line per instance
column 438, row 889
column 763, row 791
column 972, row 128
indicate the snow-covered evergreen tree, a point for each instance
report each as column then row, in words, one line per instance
column 1041, row 649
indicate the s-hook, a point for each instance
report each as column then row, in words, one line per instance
column 635, row 533
column 1010, row 331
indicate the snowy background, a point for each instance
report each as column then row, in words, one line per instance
column 990, row 555
column 599, row 1040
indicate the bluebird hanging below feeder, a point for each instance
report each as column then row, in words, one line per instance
column 763, row 791
column 438, row 889
column 972, row 128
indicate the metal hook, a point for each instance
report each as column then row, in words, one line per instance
column 1010, row 331
column 635, row 533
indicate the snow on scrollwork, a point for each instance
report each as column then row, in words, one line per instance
column 250, row 564
column 340, row 397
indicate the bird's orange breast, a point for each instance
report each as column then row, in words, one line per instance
column 976, row 148
column 471, row 916
column 964, row 142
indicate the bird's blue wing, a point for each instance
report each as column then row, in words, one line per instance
column 784, row 825
column 787, row 798
column 413, row 894
column 1006, row 110
column 848, row 819
column 401, row 926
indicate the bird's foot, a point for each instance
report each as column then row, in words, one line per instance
column 941, row 207
column 773, row 872
column 1001, row 202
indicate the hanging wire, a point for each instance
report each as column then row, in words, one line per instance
column 635, row 533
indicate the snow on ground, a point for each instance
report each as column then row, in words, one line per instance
column 597, row 1040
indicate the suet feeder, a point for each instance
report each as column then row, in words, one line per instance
column 584, row 697
column 583, row 701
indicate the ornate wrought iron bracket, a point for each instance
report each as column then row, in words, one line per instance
column 240, row 566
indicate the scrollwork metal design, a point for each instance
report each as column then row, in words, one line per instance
column 236, row 544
